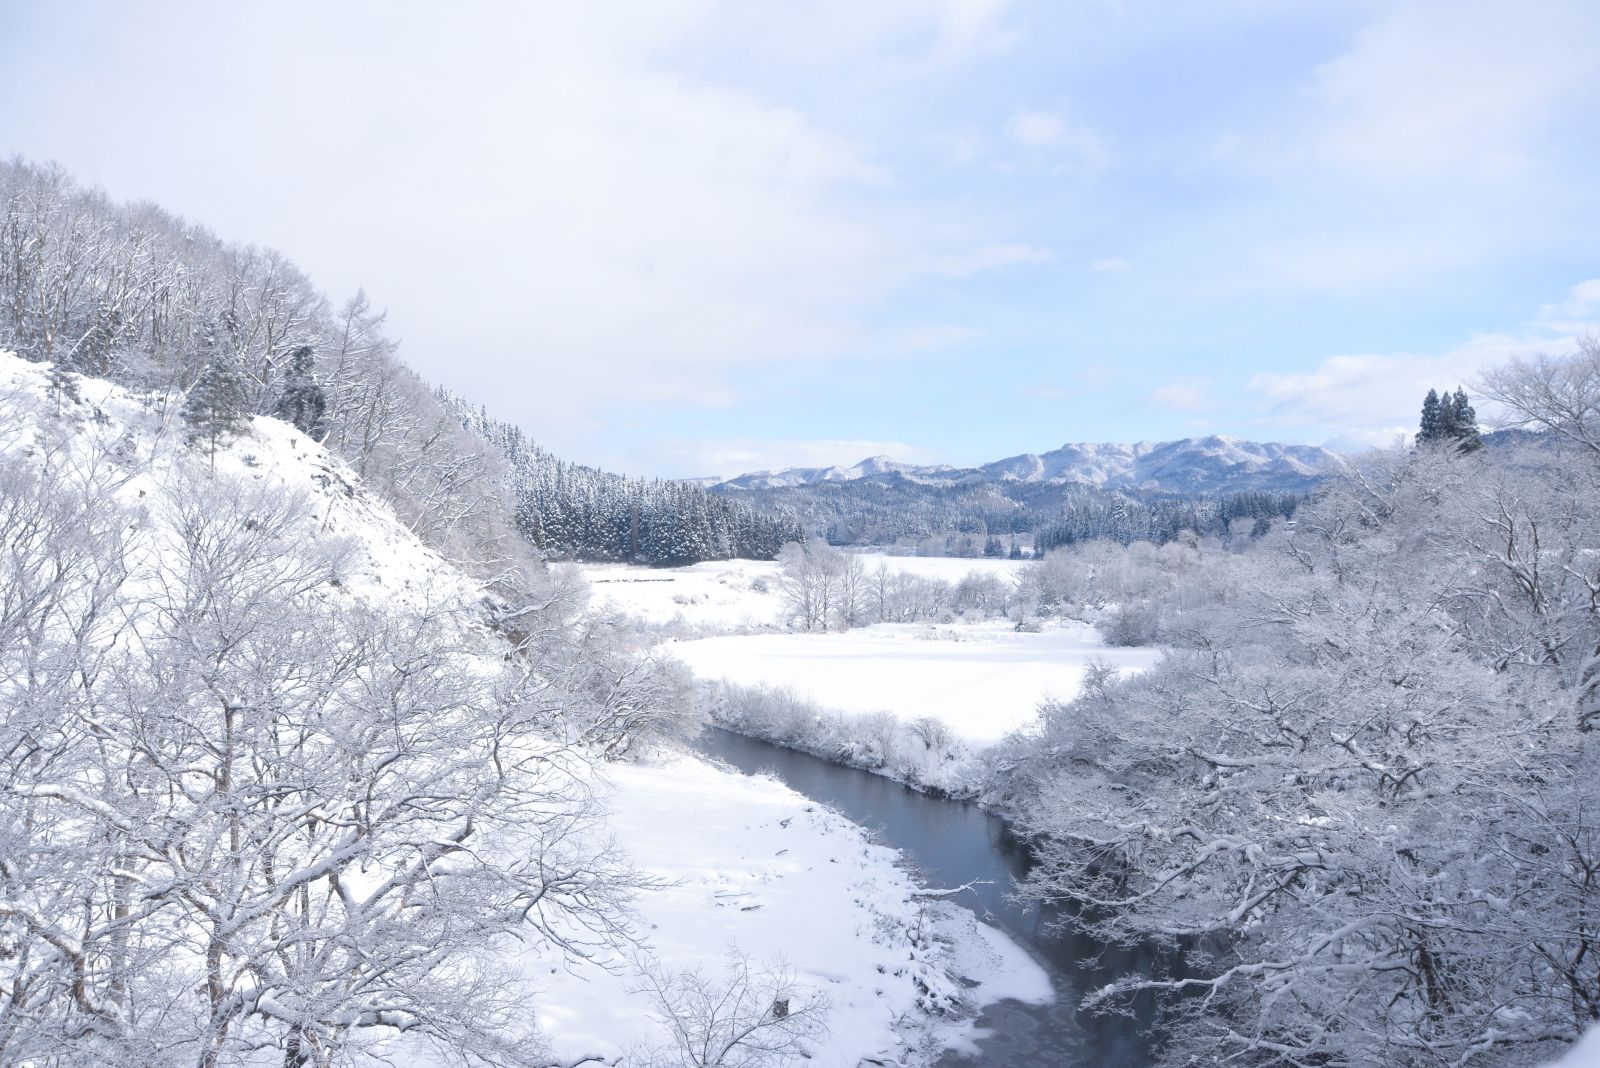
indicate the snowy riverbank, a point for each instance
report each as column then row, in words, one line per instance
column 917, row 702
column 748, row 867
column 732, row 869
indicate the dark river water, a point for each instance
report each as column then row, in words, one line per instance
column 950, row 843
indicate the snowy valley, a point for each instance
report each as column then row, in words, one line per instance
column 343, row 724
column 917, row 701
column 668, row 879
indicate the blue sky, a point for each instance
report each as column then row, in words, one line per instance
column 692, row 236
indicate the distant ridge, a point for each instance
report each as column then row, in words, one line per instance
column 1189, row 466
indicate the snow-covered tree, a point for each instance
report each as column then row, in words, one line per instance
column 1354, row 790
column 1432, row 427
column 301, row 401
column 245, row 813
column 214, row 409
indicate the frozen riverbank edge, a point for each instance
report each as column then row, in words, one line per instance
column 744, row 864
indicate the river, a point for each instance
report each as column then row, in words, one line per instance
column 951, row 843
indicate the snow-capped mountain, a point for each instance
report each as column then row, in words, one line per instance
column 1189, row 466
column 871, row 467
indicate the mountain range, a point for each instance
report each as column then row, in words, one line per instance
column 1187, row 467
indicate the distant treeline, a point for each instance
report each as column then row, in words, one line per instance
column 570, row 511
column 1126, row 521
column 990, row 517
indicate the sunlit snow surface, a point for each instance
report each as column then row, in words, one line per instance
column 733, row 872
column 755, row 866
column 1586, row 1054
column 726, row 595
column 982, row 680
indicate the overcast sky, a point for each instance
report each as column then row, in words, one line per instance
column 688, row 237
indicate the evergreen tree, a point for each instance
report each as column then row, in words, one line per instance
column 302, row 402
column 1432, row 428
column 1464, row 422
column 1449, row 429
column 215, row 407
column 62, row 386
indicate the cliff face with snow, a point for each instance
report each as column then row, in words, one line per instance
column 1191, row 466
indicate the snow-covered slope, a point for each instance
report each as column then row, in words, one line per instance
column 742, row 868
column 142, row 441
column 1190, row 466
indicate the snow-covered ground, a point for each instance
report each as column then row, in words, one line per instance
column 733, row 595
column 742, row 865
column 754, row 868
column 1585, row 1053
column 723, row 595
column 979, row 680
column 982, row 680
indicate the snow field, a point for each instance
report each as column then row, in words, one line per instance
column 719, row 594
column 730, row 595
column 982, row 680
column 753, row 867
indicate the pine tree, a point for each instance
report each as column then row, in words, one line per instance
column 215, row 407
column 1449, row 430
column 1431, row 429
column 1464, row 422
column 302, row 402
column 62, row 386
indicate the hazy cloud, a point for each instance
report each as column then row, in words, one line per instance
column 1363, row 397
column 1188, row 396
column 1049, row 131
column 987, row 258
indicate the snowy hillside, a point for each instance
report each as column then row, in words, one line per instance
column 1190, row 466
column 267, row 633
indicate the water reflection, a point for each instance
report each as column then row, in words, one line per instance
column 952, row 843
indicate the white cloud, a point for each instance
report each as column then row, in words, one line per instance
column 1111, row 265
column 1188, row 396
column 1462, row 88
column 542, row 196
column 1049, row 131
column 1362, row 397
column 969, row 26
column 1036, row 129
column 1441, row 135
column 987, row 258
column 1363, row 393
column 1354, row 442
column 728, row 457
column 1577, row 312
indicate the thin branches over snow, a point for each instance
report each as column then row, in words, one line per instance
column 243, row 808
column 749, row 1016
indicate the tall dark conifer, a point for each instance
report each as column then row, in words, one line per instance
column 302, row 401
column 1432, row 428
column 1464, row 422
